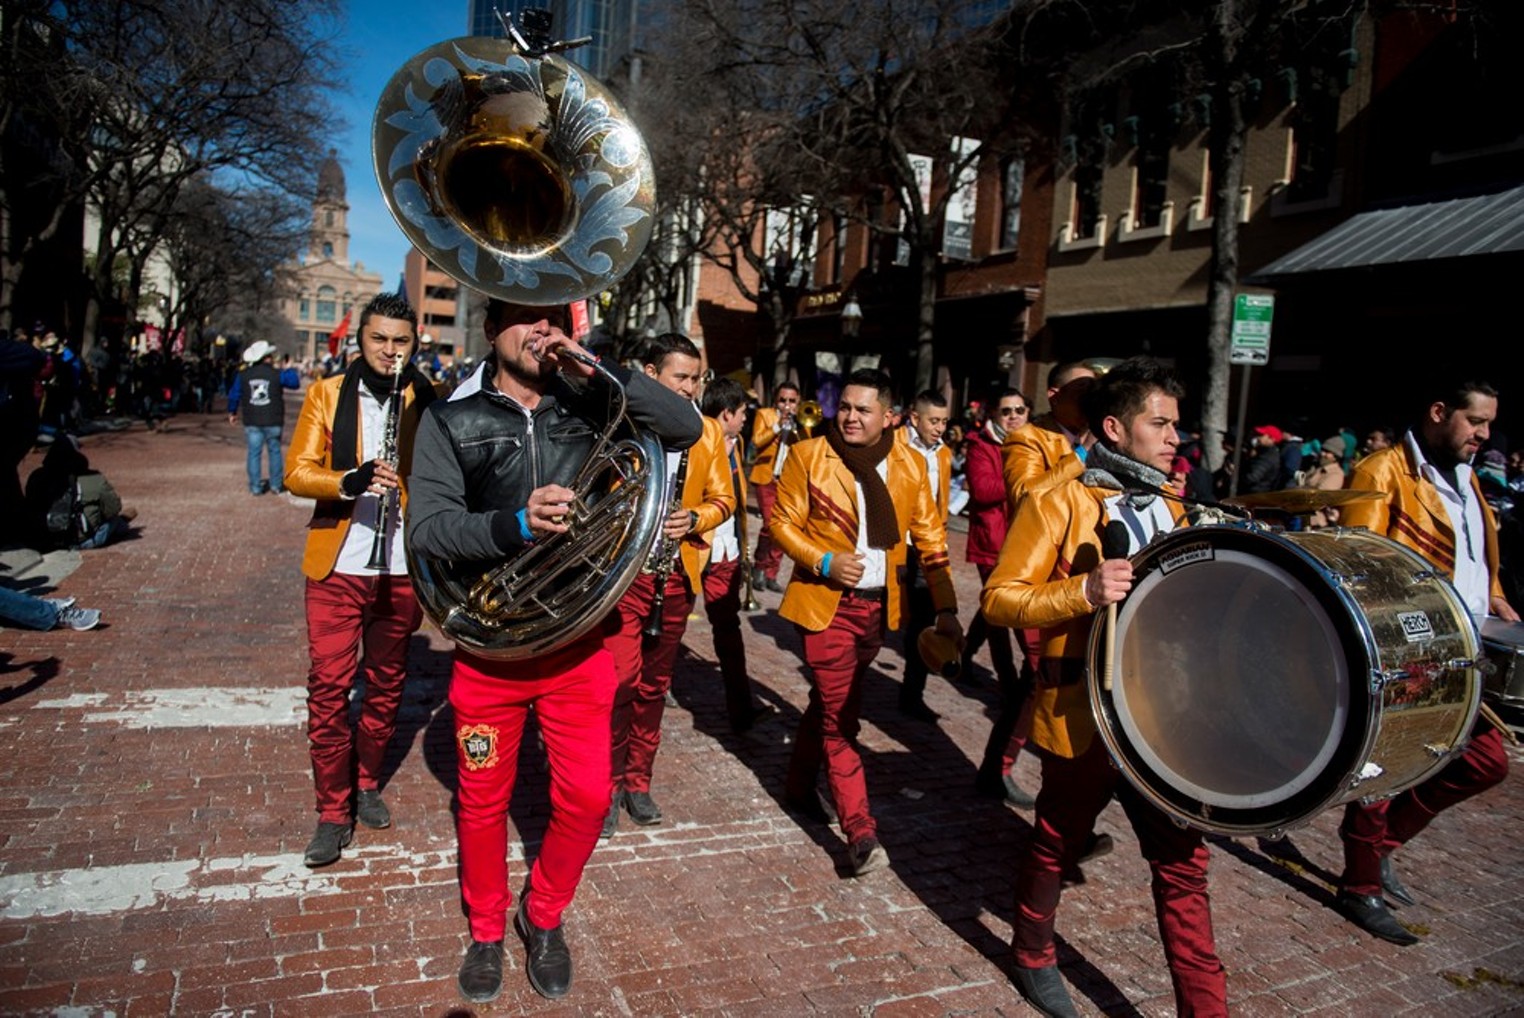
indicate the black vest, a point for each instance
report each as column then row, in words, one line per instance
column 264, row 404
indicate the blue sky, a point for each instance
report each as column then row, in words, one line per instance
column 378, row 38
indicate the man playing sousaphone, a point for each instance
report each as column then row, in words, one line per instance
column 1052, row 576
column 492, row 467
column 1433, row 504
column 359, row 599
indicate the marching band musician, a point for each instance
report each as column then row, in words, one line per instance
column 923, row 432
column 725, row 401
column 1432, row 503
column 352, row 607
column 1051, row 576
column 491, row 468
column 772, row 432
column 668, row 588
column 845, row 503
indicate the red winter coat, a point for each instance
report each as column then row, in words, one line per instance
column 986, row 498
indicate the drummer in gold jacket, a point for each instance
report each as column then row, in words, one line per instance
column 1431, row 494
column 845, row 502
column 1052, row 576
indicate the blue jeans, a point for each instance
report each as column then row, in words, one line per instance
column 26, row 611
column 267, row 438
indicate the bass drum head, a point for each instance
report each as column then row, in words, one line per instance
column 1236, row 676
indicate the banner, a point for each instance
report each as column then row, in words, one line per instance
column 921, row 167
column 958, row 223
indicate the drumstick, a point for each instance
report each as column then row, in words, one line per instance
column 1498, row 723
column 1115, row 542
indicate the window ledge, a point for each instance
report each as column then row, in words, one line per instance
column 1068, row 242
column 1125, row 231
column 1282, row 205
column 1196, row 221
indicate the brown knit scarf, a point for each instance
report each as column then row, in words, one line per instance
column 884, row 528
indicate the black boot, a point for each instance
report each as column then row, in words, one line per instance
column 550, row 962
column 1044, row 989
column 481, row 974
column 1369, row 913
column 1393, row 886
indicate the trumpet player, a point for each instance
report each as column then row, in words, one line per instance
column 772, row 432
column 653, row 613
column 492, row 465
column 725, row 577
column 359, row 601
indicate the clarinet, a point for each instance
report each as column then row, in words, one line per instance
column 378, row 557
column 665, row 559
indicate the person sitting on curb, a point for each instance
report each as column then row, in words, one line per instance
column 71, row 506
column 43, row 613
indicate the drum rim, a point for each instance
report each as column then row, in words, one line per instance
column 1354, row 634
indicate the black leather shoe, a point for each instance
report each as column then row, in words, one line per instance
column 325, row 846
column 611, row 822
column 773, row 585
column 481, row 974
column 370, row 810
column 642, row 808
column 867, row 856
column 1392, row 886
column 918, row 710
column 758, row 580
column 816, row 806
column 1369, row 913
column 1044, row 989
column 550, row 961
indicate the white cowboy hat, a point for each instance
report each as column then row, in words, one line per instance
column 258, row 351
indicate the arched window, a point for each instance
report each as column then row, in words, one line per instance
column 304, row 308
column 327, row 249
column 327, row 306
column 328, row 218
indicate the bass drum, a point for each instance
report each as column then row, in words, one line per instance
column 1260, row 677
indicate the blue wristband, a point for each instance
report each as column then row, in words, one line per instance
column 523, row 517
column 825, row 565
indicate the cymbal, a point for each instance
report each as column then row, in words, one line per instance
column 1302, row 500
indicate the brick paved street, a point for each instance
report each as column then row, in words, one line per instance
column 156, row 799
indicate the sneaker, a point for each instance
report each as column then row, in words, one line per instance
column 550, row 962
column 642, row 808
column 326, row 843
column 78, row 619
column 481, row 974
column 370, row 810
column 867, row 856
column 60, row 602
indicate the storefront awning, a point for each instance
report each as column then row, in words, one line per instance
column 1459, row 228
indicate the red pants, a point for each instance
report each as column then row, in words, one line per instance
column 838, row 656
column 769, row 556
column 645, row 675
column 1371, row 833
column 342, row 613
column 572, row 693
column 722, row 603
column 1074, row 791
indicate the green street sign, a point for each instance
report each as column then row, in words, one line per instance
column 1250, row 343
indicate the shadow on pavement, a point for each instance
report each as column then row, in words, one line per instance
column 42, row 671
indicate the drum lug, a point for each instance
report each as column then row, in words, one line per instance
column 1440, row 752
column 1428, row 575
column 1349, row 582
column 1380, row 679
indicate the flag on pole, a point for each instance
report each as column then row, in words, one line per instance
column 336, row 337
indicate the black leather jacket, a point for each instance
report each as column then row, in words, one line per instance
column 479, row 455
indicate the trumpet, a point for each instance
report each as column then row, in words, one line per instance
column 806, row 419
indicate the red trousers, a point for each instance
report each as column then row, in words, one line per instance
column 572, row 693
column 371, row 617
column 722, row 603
column 1371, row 833
column 1074, row 791
column 644, row 671
column 769, row 556
column 838, row 656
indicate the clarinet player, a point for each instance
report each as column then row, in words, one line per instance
column 359, row 600
column 653, row 614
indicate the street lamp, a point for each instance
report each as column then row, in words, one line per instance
column 851, row 317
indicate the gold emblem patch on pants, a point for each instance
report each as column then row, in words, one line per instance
column 478, row 746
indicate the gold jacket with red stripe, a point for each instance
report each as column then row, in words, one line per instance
column 1413, row 512
column 1039, row 583
column 817, row 512
column 310, row 473
column 708, row 492
column 944, row 469
column 765, row 441
column 1037, row 456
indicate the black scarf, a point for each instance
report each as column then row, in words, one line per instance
column 346, row 417
column 884, row 528
column 1106, row 468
